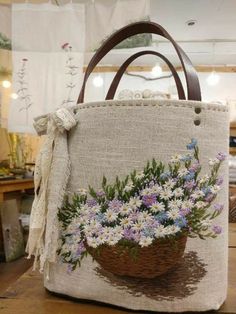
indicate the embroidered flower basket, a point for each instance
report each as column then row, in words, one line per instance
column 150, row 262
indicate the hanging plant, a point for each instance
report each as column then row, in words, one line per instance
column 5, row 42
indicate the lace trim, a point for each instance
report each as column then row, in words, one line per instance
column 52, row 171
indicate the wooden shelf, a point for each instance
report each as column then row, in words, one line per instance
column 232, row 150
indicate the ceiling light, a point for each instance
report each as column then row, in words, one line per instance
column 191, row 22
column 156, row 70
column 98, row 81
column 14, row 96
column 6, row 84
column 213, row 78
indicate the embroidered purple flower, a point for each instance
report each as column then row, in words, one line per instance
column 192, row 144
column 134, row 216
column 115, row 205
column 185, row 211
column 100, row 193
column 218, row 207
column 219, row 181
column 221, row 156
column 128, row 234
column 195, row 167
column 189, row 185
column 209, row 198
column 69, row 268
column 81, row 249
column 148, row 200
column 91, row 202
column 217, row 229
column 206, row 191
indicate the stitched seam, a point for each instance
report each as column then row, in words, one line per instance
column 189, row 106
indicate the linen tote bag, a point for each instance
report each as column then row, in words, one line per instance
column 136, row 199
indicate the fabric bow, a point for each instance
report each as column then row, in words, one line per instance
column 52, row 171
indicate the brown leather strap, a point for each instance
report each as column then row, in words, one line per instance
column 193, row 86
column 116, row 80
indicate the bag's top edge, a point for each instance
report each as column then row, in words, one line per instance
column 154, row 103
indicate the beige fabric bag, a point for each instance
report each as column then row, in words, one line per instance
column 115, row 137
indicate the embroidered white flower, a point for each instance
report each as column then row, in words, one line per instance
column 178, row 192
column 206, row 223
column 93, row 242
column 187, row 204
column 145, row 241
column 172, row 229
column 94, row 224
column 139, row 175
column 160, row 231
column 144, row 216
column 173, row 214
column 215, row 189
column 125, row 209
column 169, row 184
column 96, row 208
column 128, row 187
column 156, row 189
column 82, row 192
column 166, row 194
column 214, row 161
column 84, row 208
column 204, row 179
column 174, row 204
column 126, row 221
column 197, row 194
column 135, row 202
column 182, row 172
column 157, row 207
column 175, row 158
column 201, row 204
column 111, row 215
column 137, row 226
column 101, row 238
column 146, row 191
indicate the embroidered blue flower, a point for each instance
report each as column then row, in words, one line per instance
column 161, row 217
column 181, row 222
column 206, row 190
column 186, row 158
column 189, row 176
column 148, row 232
column 192, row 145
column 165, row 175
column 100, row 217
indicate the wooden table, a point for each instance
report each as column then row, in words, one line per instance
column 7, row 186
column 27, row 295
column 15, row 185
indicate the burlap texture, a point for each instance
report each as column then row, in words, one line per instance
column 114, row 137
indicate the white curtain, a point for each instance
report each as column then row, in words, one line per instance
column 103, row 17
column 48, row 52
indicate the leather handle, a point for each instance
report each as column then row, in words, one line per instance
column 116, row 80
column 193, row 87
